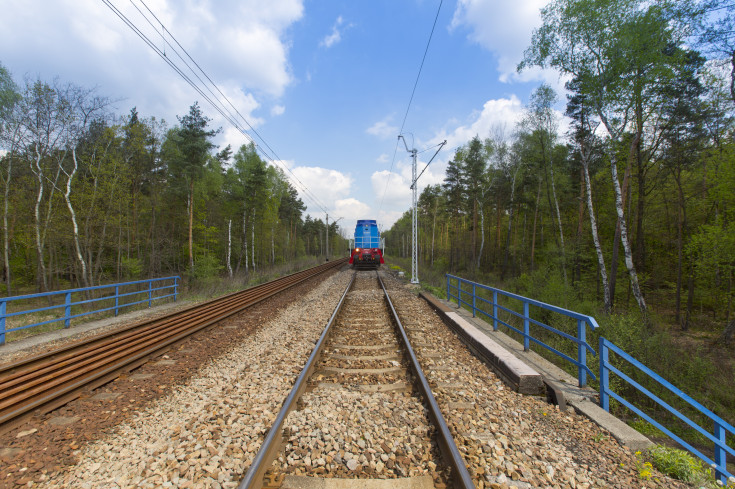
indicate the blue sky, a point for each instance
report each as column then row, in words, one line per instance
column 326, row 83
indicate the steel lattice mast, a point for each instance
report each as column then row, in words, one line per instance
column 415, row 210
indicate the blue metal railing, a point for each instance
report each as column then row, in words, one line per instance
column 468, row 296
column 721, row 427
column 68, row 303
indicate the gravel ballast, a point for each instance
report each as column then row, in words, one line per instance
column 206, row 433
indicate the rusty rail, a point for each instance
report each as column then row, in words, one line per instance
column 52, row 379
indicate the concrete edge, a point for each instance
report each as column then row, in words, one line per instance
column 624, row 434
column 518, row 375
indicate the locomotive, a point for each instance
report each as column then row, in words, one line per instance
column 367, row 247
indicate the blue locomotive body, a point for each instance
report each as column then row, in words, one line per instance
column 367, row 249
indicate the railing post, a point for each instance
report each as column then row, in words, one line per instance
column 526, row 327
column 3, row 311
column 604, row 375
column 581, row 352
column 67, row 310
column 720, row 453
column 495, row 310
column 474, row 303
column 459, row 293
column 176, row 287
column 449, row 297
column 117, row 299
column 150, row 292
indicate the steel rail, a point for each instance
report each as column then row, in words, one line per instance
column 60, row 375
column 460, row 475
column 268, row 450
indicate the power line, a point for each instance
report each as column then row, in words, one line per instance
column 410, row 100
column 214, row 100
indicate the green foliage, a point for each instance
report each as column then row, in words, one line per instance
column 435, row 291
column 206, row 267
column 679, row 464
column 132, row 267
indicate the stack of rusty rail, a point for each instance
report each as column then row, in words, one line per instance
column 52, row 379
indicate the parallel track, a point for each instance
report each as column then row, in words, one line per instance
column 52, row 379
column 272, row 445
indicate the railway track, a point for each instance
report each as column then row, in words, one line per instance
column 361, row 407
column 45, row 382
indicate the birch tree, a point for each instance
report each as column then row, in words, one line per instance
column 582, row 39
column 46, row 115
column 587, row 143
column 11, row 133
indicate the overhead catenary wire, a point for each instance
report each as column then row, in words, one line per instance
column 410, row 100
column 214, row 100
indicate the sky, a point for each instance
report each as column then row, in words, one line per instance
column 325, row 83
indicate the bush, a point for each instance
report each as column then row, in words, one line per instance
column 679, row 464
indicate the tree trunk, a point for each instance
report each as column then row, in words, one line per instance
column 73, row 214
column 191, row 226
column 252, row 241
column 510, row 225
column 624, row 236
column 229, row 247
column 558, row 218
column 474, row 233
column 433, row 230
column 535, row 221
column 577, row 273
column 596, row 240
column 43, row 285
column 6, row 229
column 482, row 234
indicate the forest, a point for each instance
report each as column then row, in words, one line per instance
column 634, row 205
column 92, row 197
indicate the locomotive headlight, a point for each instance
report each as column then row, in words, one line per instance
column 357, row 250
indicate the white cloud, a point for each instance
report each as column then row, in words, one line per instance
column 391, row 189
column 351, row 210
column 278, row 110
column 383, row 158
column 505, row 29
column 383, row 129
column 336, row 35
column 242, row 46
column 324, row 184
column 503, row 111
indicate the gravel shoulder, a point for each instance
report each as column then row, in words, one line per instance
column 508, row 439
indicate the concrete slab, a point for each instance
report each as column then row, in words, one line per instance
column 396, row 386
column 63, row 420
column 583, row 399
column 354, row 358
column 165, row 362
column 105, row 396
column 303, row 482
column 625, row 435
column 8, row 452
column 141, row 376
column 363, row 347
column 364, row 371
column 520, row 376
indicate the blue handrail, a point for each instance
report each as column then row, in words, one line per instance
column 68, row 304
column 721, row 427
column 466, row 297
